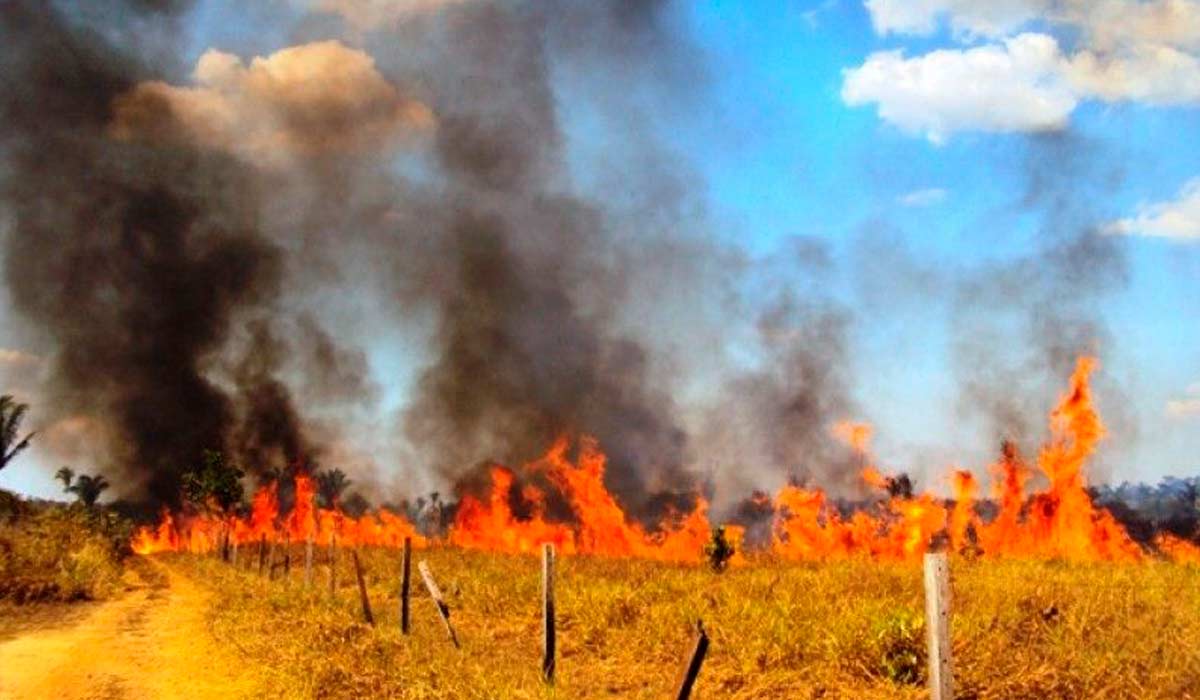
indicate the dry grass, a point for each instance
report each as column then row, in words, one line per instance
column 839, row 630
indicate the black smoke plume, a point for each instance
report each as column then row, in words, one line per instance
column 137, row 261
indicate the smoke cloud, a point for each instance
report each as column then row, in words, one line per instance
column 216, row 250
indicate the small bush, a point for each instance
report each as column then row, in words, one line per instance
column 900, row 648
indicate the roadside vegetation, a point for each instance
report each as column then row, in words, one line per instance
column 54, row 551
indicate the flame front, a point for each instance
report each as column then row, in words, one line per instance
column 204, row 533
column 600, row 526
column 1060, row 522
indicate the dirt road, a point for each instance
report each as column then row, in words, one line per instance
column 150, row 643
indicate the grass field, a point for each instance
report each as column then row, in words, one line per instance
column 845, row 629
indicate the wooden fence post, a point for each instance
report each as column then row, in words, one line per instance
column 405, row 584
column 308, row 557
column 436, row 595
column 692, row 669
column 234, row 560
column 271, row 562
column 548, row 632
column 262, row 553
column 937, row 623
column 332, row 563
column 362, row 589
column 287, row 556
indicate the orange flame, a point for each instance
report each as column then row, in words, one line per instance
column 203, row 533
column 600, row 525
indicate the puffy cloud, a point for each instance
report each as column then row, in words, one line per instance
column 1017, row 86
column 1178, row 219
column 1105, row 24
column 1157, row 75
column 1121, row 50
column 972, row 17
column 1115, row 25
column 1186, row 407
column 923, row 198
column 305, row 100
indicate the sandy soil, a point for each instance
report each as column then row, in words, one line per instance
column 150, row 643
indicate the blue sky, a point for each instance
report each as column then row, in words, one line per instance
column 824, row 120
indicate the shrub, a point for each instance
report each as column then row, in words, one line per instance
column 900, row 647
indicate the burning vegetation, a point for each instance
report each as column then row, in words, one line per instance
column 564, row 501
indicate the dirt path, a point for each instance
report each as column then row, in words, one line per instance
column 150, row 643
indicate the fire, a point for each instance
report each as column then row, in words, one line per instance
column 600, row 525
column 1058, row 522
column 205, row 533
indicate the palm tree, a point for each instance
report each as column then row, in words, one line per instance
column 88, row 488
column 66, row 475
column 11, row 415
column 330, row 485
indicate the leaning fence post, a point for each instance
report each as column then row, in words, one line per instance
column 308, row 557
column 692, row 670
column 362, row 589
column 262, row 553
column 436, row 595
column 937, row 622
column 405, row 584
column 548, row 637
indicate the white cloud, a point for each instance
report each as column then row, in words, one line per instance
column 1120, row 50
column 1111, row 25
column 1186, row 407
column 316, row 98
column 923, row 198
column 1178, row 219
column 1153, row 74
column 1016, row 86
column 1104, row 24
column 966, row 17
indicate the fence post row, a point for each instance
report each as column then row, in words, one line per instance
column 936, row 582
column 548, row 632
column 436, row 595
column 937, row 624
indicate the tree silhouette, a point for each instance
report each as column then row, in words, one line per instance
column 214, row 484
column 330, row 486
column 88, row 488
column 11, row 415
column 66, row 475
